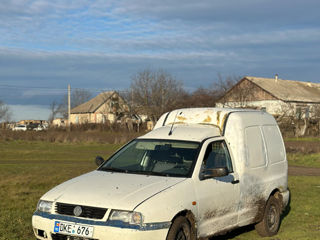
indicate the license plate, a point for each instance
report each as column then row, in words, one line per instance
column 73, row 229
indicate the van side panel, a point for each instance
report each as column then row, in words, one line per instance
column 254, row 138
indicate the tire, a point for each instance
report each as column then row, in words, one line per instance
column 180, row 230
column 270, row 222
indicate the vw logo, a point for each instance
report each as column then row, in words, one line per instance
column 77, row 211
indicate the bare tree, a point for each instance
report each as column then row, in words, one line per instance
column 207, row 96
column 224, row 84
column 316, row 111
column 54, row 108
column 78, row 96
column 298, row 120
column 201, row 97
column 4, row 111
column 155, row 92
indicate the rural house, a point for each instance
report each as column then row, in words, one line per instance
column 59, row 122
column 107, row 106
column 278, row 97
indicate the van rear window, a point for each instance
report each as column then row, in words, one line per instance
column 275, row 148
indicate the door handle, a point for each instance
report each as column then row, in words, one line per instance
column 235, row 181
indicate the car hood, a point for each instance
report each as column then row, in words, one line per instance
column 110, row 190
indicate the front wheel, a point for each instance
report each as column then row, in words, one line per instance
column 180, row 230
column 270, row 223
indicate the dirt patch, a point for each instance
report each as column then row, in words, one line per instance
column 303, row 171
column 302, row 147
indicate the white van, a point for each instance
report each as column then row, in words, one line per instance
column 200, row 172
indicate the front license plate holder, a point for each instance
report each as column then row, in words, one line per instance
column 74, row 229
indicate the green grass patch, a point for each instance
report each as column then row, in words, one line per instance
column 302, row 139
column 303, row 219
column 29, row 169
column 45, row 151
column 305, row 160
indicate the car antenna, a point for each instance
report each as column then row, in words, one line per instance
column 173, row 123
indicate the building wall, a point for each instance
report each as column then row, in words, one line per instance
column 273, row 107
column 79, row 118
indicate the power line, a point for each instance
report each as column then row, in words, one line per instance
column 55, row 90
column 21, row 87
column 28, row 87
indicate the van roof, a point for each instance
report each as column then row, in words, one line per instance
column 184, row 132
column 200, row 116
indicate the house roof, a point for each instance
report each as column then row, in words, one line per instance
column 93, row 104
column 288, row 90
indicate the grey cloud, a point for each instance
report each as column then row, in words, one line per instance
column 251, row 11
column 52, row 72
column 16, row 8
column 258, row 13
column 193, row 40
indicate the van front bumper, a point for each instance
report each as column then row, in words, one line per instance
column 44, row 223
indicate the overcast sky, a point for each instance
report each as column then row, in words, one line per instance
column 97, row 44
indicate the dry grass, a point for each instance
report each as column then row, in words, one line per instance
column 303, row 146
column 76, row 135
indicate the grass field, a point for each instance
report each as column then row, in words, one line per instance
column 306, row 160
column 29, row 169
column 305, row 139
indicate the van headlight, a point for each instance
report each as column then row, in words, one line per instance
column 44, row 206
column 134, row 218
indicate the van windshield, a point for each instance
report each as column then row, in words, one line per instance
column 155, row 157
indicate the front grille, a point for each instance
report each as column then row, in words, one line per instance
column 65, row 237
column 87, row 212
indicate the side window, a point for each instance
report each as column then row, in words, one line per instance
column 217, row 155
column 275, row 149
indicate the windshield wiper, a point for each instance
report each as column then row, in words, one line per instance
column 150, row 173
column 112, row 169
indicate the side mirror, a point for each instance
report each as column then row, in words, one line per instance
column 99, row 160
column 214, row 172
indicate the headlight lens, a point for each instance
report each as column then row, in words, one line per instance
column 134, row 218
column 44, row 206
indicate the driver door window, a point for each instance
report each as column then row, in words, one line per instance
column 217, row 155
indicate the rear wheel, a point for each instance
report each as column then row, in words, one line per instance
column 270, row 223
column 180, row 230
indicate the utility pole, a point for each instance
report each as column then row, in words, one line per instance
column 69, row 105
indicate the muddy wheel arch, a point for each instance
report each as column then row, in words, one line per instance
column 270, row 223
column 191, row 219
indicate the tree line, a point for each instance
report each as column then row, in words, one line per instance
column 152, row 92
column 156, row 92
